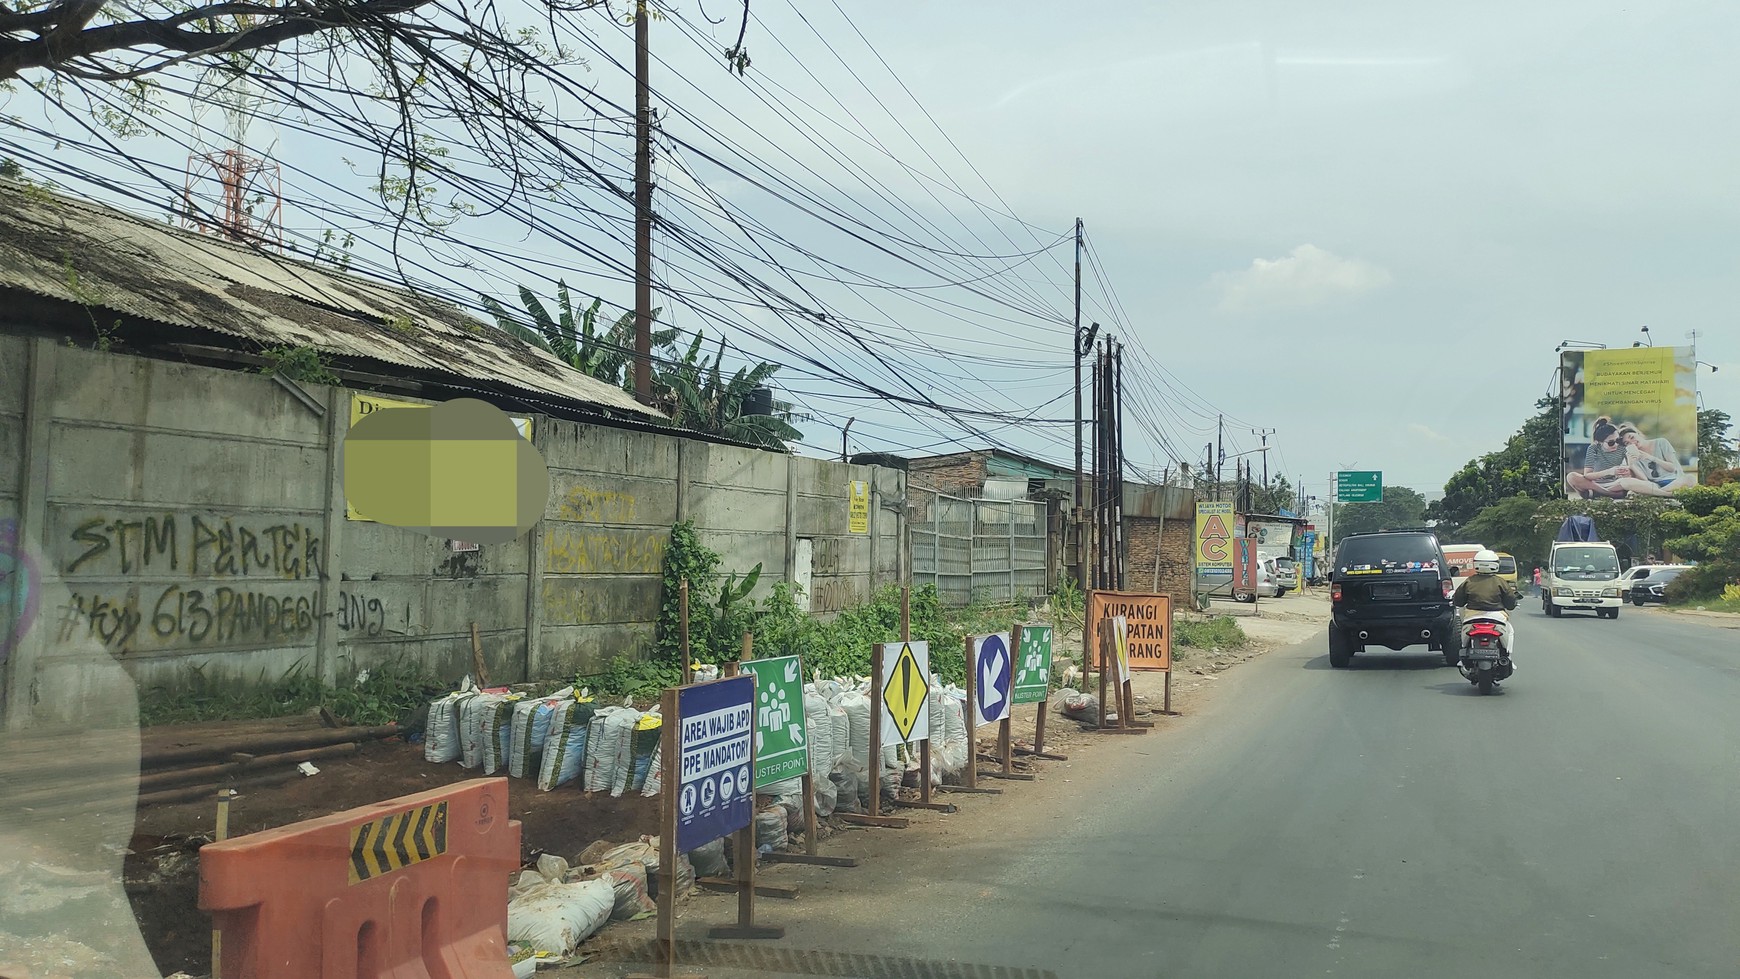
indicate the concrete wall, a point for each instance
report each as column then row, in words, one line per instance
column 197, row 517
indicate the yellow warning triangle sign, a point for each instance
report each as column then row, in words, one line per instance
column 906, row 692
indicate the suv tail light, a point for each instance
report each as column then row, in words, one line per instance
column 1449, row 587
column 1335, row 592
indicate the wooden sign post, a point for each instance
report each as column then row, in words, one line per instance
column 970, row 712
column 788, row 676
column 713, row 793
column 1032, row 684
column 874, row 756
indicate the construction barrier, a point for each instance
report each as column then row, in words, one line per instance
column 409, row 888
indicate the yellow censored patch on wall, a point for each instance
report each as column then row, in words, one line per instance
column 454, row 470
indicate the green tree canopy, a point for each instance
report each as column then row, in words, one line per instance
column 1715, row 449
column 1400, row 507
column 1528, row 465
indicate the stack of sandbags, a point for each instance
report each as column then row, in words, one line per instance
column 498, row 730
column 610, row 750
column 441, row 739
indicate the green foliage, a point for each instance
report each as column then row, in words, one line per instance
column 391, row 692
column 1706, row 528
column 1220, row 632
column 701, row 398
column 1069, row 603
column 687, row 558
column 576, row 340
column 1715, row 449
column 1513, row 525
column 1400, row 507
column 299, row 363
column 1528, row 465
column 1637, row 522
column 1706, row 585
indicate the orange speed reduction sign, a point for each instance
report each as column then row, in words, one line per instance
column 1148, row 626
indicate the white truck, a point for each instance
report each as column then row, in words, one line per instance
column 1582, row 576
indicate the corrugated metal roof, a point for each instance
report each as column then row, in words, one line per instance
column 87, row 253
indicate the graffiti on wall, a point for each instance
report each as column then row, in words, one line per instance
column 571, row 549
column 587, row 505
column 194, row 546
column 20, row 589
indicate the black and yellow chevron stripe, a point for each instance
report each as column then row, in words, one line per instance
column 395, row 842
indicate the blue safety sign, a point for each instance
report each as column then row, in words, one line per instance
column 715, row 790
column 992, row 674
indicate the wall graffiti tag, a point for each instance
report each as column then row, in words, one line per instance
column 20, row 589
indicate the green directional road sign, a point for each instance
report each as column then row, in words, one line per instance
column 1033, row 665
column 1356, row 486
column 782, row 750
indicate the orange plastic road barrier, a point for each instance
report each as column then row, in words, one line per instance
column 411, row 888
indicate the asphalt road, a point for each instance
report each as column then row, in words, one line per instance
column 1384, row 820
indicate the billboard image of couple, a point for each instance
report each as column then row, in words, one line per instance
column 1629, row 422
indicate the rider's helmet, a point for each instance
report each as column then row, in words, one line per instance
column 1486, row 562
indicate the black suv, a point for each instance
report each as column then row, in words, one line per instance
column 1391, row 589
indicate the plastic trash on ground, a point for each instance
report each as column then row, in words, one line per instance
column 1079, row 706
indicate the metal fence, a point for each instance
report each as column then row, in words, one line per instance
column 980, row 550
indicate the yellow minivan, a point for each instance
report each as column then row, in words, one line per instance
column 1507, row 567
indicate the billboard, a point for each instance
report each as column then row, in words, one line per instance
column 1214, row 535
column 1629, row 421
column 1272, row 538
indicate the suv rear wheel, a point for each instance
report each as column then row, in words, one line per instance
column 1340, row 648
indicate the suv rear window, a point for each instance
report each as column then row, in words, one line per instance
column 1387, row 553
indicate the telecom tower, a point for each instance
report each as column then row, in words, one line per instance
column 230, row 192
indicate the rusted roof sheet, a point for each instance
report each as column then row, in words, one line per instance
column 94, row 255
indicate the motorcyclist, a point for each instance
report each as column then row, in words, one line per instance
column 1485, row 591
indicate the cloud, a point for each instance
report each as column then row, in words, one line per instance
column 1427, row 432
column 1307, row 276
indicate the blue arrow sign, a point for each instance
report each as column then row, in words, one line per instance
column 992, row 673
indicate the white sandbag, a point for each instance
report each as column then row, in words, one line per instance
column 554, row 917
column 472, row 715
column 498, row 730
column 848, row 791
column 531, row 729
column 644, row 852
column 770, row 829
column 1079, row 706
column 643, row 744
column 602, row 743
column 709, row 859
column 632, row 897
column 820, row 731
column 948, row 731
column 827, row 796
column 857, row 708
column 566, row 748
column 655, row 773
column 842, row 731
column 441, row 742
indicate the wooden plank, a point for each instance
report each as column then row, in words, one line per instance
column 971, row 789
column 812, row 859
column 780, row 891
column 861, row 819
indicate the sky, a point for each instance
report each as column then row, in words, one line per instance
column 1365, row 227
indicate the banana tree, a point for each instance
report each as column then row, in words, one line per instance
column 577, row 340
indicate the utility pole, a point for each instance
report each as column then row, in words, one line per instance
column 642, row 211
column 1076, row 345
column 845, row 452
column 1220, row 462
column 1265, row 433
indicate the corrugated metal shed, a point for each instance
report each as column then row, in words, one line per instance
column 86, row 253
column 1159, row 502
